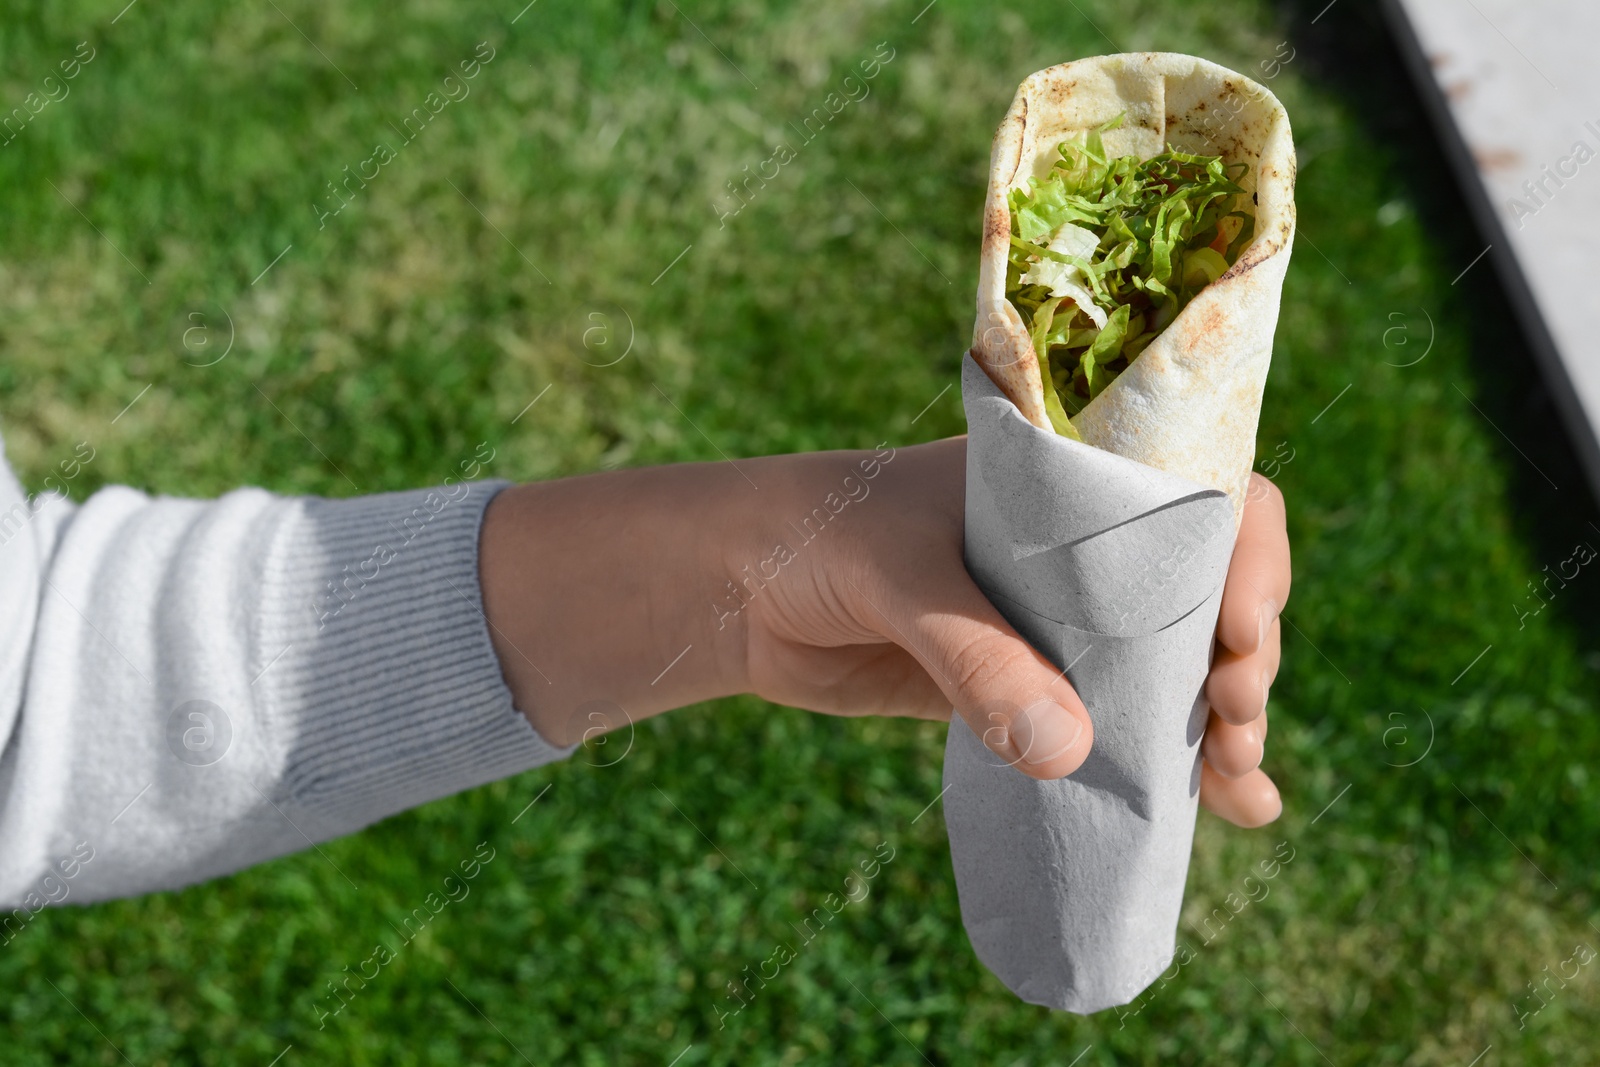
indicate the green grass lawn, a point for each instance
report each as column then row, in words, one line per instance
column 574, row 190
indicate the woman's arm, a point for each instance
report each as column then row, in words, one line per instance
column 191, row 687
column 830, row 581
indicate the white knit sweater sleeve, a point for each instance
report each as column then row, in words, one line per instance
column 189, row 687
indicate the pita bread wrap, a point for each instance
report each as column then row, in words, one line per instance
column 1109, row 554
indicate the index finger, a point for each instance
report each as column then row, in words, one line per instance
column 1258, row 577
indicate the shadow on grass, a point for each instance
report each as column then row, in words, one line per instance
column 1519, row 760
column 1351, row 51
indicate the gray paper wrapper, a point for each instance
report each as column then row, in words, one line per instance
column 1070, row 889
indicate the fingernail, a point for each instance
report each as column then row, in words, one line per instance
column 1043, row 731
column 1269, row 611
column 1266, row 687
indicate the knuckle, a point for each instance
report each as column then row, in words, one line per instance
column 990, row 663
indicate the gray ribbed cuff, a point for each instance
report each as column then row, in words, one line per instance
column 385, row 692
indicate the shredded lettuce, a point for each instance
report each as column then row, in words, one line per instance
column 1106, row 250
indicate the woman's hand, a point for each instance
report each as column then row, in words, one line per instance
column 829, row 581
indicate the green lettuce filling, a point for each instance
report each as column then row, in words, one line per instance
column 1105, row 251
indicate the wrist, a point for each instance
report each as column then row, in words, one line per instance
column 600, row 593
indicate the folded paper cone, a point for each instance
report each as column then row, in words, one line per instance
column 1070, row 889
column 1109, row 556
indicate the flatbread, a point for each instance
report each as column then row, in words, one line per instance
column 1190, row 402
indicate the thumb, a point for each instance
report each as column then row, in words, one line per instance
column 1018, row 702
